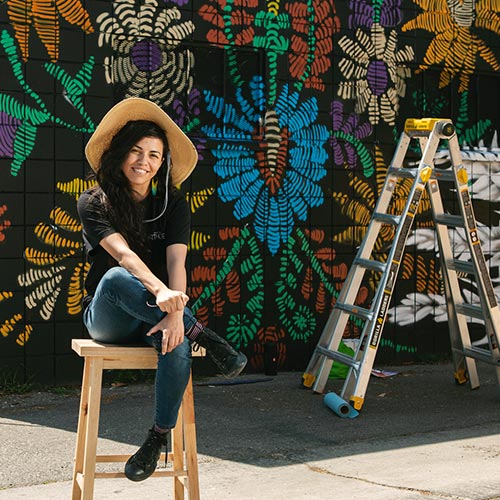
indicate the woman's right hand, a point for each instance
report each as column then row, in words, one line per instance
column 170, row 301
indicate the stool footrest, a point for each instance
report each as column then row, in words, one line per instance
column 104, row 459
column 156, row 473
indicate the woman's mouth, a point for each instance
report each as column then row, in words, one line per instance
column 140, row 171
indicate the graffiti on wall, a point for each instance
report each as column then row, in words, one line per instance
column 294, row 107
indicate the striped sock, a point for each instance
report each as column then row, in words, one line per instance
column 194, row 331
column 160, row 430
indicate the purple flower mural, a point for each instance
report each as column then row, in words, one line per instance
column 186, row 116
column 347, row 133
column 375, row 73
column 8, row 128
column 365, row 13
column 148, row 58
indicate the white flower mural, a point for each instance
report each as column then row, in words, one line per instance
column 148, row 57
column 375, row 73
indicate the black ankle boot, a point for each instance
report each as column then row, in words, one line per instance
column 141, row 465
column 227, row 360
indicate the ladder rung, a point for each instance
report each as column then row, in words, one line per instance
column 443, row 175
column 404, row 173
column 479, row 354
column 470, row 310
column 360, row 312
column 461, row 265
column 373, row 265
column 345, row 359
column 387, row 218
column 449, row 220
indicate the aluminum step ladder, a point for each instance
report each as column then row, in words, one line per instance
column 429, row 133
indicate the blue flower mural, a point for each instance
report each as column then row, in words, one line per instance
column 278, row 182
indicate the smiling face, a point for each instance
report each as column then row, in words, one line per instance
column 141, row 164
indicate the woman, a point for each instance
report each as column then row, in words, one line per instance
column 136, row 229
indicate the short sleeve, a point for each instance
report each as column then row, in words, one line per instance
column 95, row 225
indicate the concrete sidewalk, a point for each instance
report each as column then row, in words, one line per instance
column 419, row 436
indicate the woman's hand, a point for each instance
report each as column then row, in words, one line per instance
column 170, row 301
column 172, row 328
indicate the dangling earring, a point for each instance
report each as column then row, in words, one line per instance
column 154, row 186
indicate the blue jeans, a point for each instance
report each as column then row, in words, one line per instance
column 119, row 314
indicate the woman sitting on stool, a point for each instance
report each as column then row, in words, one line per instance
column 136, row 228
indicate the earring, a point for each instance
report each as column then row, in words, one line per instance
column 154, row 186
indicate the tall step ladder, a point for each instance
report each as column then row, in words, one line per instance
column 429, row 132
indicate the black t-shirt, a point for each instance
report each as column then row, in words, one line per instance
column 172, row 227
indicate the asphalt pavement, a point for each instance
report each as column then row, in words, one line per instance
column 418, row 436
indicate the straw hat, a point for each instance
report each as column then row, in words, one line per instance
column 183, row 154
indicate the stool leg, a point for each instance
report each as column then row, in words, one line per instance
column 178, row 455
column 92, row 430
column 190, row 442
column 81, row 435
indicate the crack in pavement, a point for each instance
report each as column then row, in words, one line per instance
column 320, row 470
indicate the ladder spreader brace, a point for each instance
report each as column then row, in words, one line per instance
column 429, row 132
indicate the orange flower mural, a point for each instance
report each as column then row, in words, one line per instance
column 457, row 45
column 43, row 16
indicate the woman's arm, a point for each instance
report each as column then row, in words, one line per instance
column 172, row 325
column 176, row 266
column 168, row 299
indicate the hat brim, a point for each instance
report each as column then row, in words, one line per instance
column 183, row 154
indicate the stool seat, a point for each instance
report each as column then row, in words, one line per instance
column 183, row 455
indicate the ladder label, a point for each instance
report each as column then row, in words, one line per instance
column 408, row 221
column 476, row 247
column 396, row 260
column 469, row 215
column 379, row 322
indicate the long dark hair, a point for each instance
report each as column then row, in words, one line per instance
column 124, row 212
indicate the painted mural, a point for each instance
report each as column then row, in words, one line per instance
column 295, row 108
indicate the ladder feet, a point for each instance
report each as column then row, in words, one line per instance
column 357, row 402
column 308, row 380
column 461, row 377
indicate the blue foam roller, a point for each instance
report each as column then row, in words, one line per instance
column 339, row 406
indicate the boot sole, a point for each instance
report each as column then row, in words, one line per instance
column 238, row 367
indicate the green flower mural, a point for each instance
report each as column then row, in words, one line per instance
column 21, row 128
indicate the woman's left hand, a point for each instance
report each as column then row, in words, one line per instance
column 172, row 328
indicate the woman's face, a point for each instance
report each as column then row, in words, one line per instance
column 141, row 164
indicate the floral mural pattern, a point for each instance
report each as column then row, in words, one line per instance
column 293, row 150
column 147, row 60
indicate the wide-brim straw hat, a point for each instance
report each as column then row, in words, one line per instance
column 183, row 154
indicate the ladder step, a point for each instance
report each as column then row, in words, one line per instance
column 479, row 354
column 443, row 175
column 373, row 265
column 345, row 359
column 387, row 218
column 360, row 312
column 403, row 173
column 461, row 265
column 470, row 310
column 449, row 220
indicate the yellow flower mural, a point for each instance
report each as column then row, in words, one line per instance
column 48, row 274
column 457, row 44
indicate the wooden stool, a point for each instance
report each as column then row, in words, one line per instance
column 99, row 357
